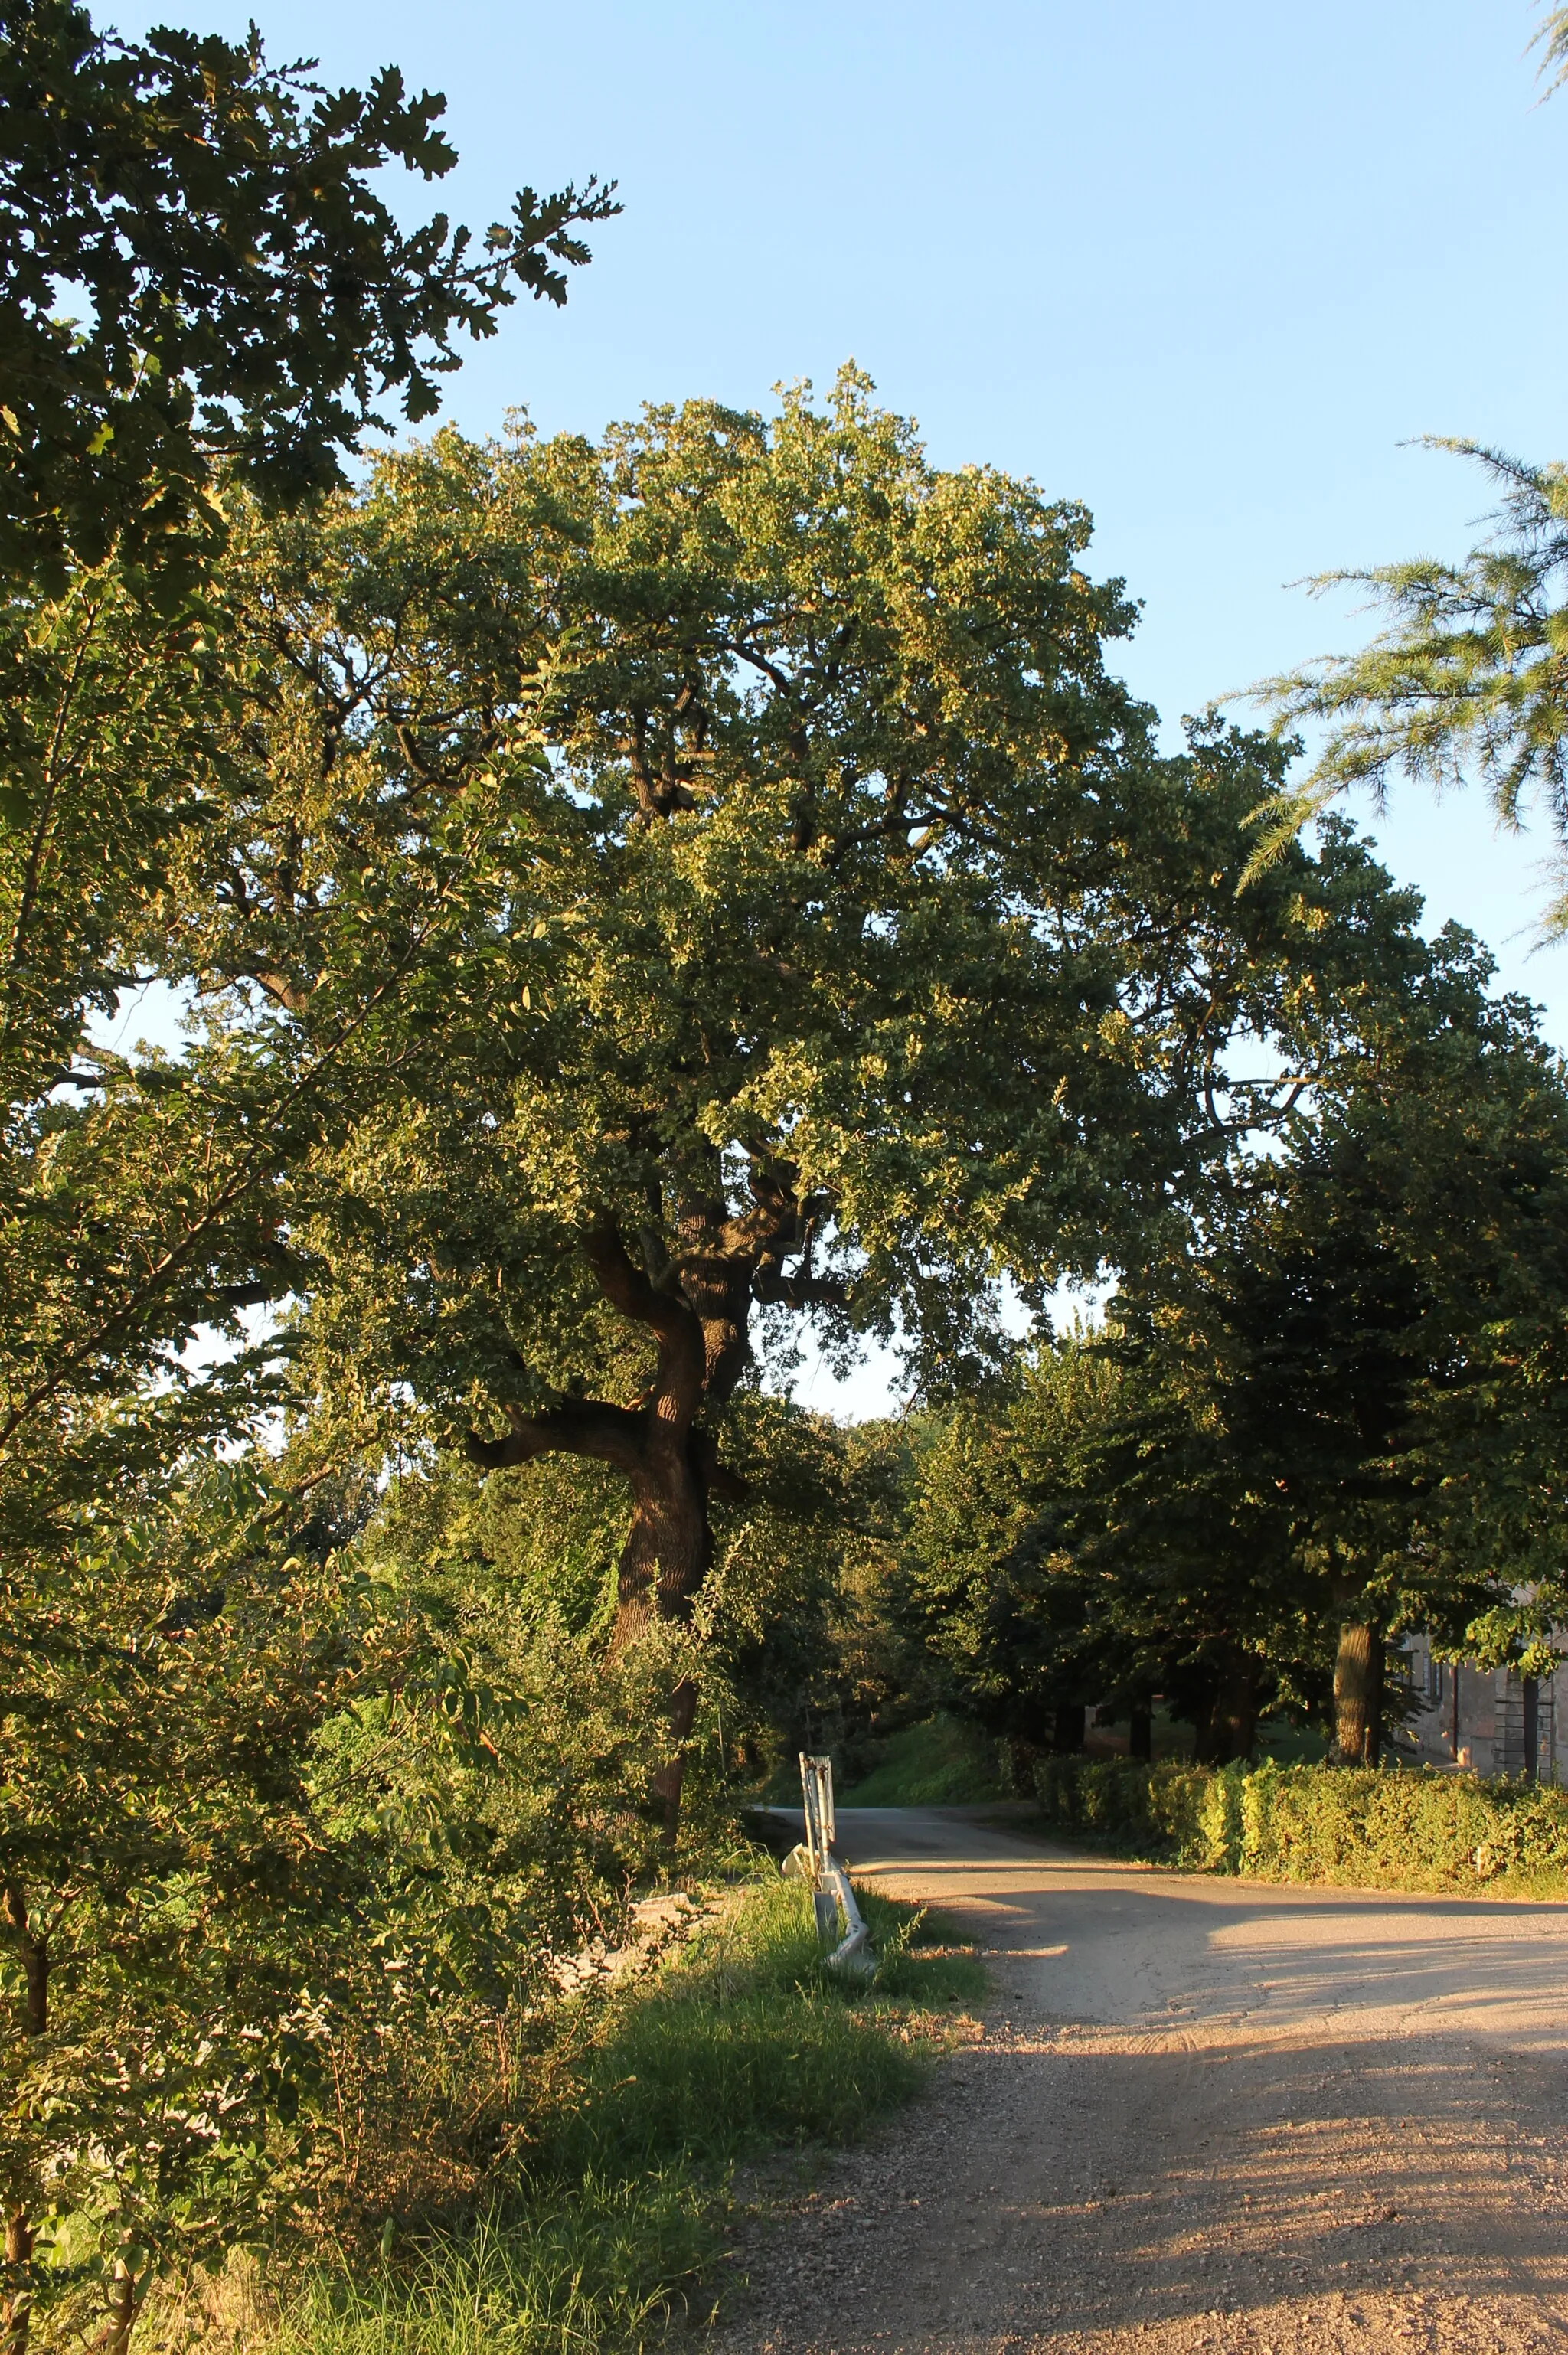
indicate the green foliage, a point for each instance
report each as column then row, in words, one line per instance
column 1551, row 39
column 174, row 1923
column 801, row 1611
column 741, row 2045
column 137, row 1202
column 586, row 2268
column 249, row 293
column 751, row 897
column 922, row 1959
column 542, row 1539
column 1468, row 675
column 1467, row 678
column 991, row 1577
column 1355, row 1827
column 1147, row 1810
column 249, row 297
column 290, row 1825
column 792, row 1630
column 748, row 2042
column 942, row 1762
column 1341, row 1402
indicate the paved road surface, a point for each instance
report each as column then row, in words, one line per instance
column 1201, row 2113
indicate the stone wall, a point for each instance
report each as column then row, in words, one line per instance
column 1493, row 1709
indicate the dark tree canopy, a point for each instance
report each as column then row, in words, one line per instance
column 1337, row 1413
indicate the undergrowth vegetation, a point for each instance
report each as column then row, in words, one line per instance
column 610, row 2209
column 943, row 1763
column 1359, row 1827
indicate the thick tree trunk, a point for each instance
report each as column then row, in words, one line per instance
column 1072, row 1721
column 666, row 1556
column 1227, row 1729
column 694, row 1310
column 667, row 1780
column 16, row 2304
column 1359, row 1695
column 1140, row 1735
column 668, row 1548
column 33, row 1954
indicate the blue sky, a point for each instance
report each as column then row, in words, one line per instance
column 1204, row 268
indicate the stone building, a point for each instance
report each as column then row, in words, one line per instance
column 1487, row 1720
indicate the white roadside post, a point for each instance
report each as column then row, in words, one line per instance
column 813, row 1860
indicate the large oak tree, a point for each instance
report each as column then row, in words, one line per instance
column 793, row 919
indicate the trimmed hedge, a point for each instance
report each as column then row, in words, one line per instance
column 1372, row 1828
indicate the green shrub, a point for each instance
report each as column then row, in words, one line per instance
column 1181, row 1817
column 1374, row 1828
column 743, row 2042
column 1403, row 1830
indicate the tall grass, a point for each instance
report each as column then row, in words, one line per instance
column 744, row 2044
column 588, row 2267
column 748, row 2043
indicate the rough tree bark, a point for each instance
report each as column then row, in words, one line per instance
column 16, row 2304
column 1072, row 1723
column 1531, row 1697
column 694, row 1307
column 1359, row 1694
column 1229, row 1728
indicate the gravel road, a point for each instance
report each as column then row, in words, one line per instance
column 1197, row 2113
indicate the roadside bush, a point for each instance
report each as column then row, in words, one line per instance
column 1168, row 1811
column 942, row 1762
column 1374, row 1828
column 611, row 2215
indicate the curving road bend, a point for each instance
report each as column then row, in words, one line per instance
column 1199, row 2114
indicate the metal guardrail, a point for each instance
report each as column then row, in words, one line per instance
column 813, row 1860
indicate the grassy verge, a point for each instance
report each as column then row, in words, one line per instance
column 941, row 1764
column 741, row 2046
